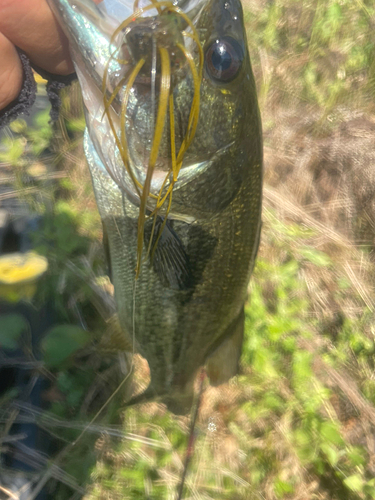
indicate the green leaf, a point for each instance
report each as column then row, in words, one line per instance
column 289, row 344
column 330, row 453
column 282, row 488
column 18, row 126
column 304, row 446
column 302, row 365
column 67, row 183
column 316, row 257
column 14, row 149
column 357, row 456
column 42, row 119
column 61, row 342
column 272, row 401
column 354, row 482
column 11, row 328
column 330, row 433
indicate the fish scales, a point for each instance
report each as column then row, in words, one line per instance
column 185, row 309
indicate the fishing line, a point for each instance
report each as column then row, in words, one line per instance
column 161, row 228
column 191, row 436
column 154, row 216
column 158, row 133
column 133, row 319
column 173, row 137
column 153, row 83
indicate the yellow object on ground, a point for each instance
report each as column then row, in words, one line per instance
column 19, row 273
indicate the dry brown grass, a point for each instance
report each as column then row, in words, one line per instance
column 329, row 172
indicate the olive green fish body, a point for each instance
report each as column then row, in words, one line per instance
column 185, row 308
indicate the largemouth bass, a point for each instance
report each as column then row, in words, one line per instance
column 173, row 143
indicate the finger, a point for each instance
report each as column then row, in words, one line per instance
column 10, row 72
column 31, row 26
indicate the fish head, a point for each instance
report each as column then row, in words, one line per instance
column 166, row 86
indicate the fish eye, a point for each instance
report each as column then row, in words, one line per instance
column 224, row 58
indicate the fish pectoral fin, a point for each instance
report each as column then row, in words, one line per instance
column 222, row 364
column 169, row 258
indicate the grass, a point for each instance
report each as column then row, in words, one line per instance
column 298, row 421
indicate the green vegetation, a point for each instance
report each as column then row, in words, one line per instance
column 313, row 52
column 298, row 422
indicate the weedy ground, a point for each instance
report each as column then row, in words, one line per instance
column 299, row 420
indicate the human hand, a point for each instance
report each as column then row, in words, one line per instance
column 31, row 26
